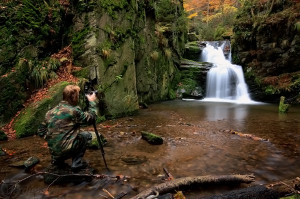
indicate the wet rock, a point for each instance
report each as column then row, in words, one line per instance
column 134, row 160
column 31, row 162
column 27, row 164
column 152, row 138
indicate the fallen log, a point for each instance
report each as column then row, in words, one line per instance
column 270, row 191
column 286, row 187
column 257, row 192
column 193, row 181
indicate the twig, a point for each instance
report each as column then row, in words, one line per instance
column 169, row 175
column 110, row 195
column 14, row 184
column 52, row 183
column 290, row 187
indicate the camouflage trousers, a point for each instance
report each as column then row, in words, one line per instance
column 76, row 150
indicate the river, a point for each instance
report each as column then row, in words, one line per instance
column 197, row 141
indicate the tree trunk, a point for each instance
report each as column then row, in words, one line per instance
column 189, row 181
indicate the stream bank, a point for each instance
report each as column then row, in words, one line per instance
column 196, row 142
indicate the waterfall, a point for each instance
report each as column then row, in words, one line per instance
column 225, row 81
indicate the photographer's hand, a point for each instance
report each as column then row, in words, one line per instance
column 92, row 97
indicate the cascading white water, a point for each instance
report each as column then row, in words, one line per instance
column 225, row 81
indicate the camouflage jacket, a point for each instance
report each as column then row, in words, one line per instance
column 62, row 123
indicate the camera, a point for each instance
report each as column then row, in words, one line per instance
column 88, row 87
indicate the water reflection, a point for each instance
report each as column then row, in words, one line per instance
column 195, row 143
column 221, row 111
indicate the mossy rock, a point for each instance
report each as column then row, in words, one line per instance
column 83, row 73
column 3, row 136
column 28, row 121
column 94, row 143
column 152, row 138
column 283, row 108
column 193, row 47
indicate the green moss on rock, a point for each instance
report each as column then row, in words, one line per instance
column 94, row 144
column 28, row 121
column 83, row 73
column 12, row 95
column 283, row 108
column 152, row 138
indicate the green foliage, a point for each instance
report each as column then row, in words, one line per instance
column 270, row 90
column 172, row 94
column 113, row 6
column 83, row 73
column 12, row 95
column 218, row 32
column 170, row 12
column 28, row 121
column 295, row 196
column 188, row 80
column 85, row 5
column 37, row 71
column 78, row 41
column 30, row 23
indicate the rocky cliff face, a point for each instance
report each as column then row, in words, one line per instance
column 130, row 47
column 266, row 43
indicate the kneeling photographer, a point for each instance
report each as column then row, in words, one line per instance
column 61, row 128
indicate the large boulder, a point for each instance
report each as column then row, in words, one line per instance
column 27, row 123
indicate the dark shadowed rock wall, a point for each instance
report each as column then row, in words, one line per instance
column 266, row 43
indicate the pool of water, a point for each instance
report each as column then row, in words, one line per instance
column 196, row 142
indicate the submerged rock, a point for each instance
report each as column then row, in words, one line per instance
column 27, row 164
column 134, row 160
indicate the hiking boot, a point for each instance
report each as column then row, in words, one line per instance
column 59, row 164
column 78, row 167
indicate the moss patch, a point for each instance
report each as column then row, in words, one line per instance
column 94, row 143
column 28, row 121
column 152, row 138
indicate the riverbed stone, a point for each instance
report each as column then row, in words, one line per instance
column 152, row 138
column 27, row 164
column 134, row 160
